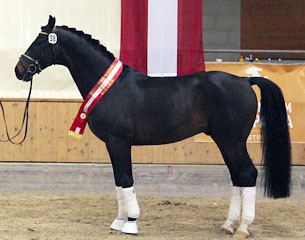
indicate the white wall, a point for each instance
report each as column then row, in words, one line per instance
column 20, row 22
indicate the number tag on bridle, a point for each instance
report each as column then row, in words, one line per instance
column 52, row 38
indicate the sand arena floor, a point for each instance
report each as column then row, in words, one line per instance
column 38, row 216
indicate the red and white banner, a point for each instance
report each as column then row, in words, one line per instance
column 162, row 38
column 178, row 28
column 95, row 95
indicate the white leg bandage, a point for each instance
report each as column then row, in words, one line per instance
column 248, row 204
column 234, row 209
column 235, row 205
column 121, row 218
column 122, row 208
column 248, row 208
column 133, row 210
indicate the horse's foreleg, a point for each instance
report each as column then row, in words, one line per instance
column 128, row 211
column 133, row 211
column 121, row 218
column 128, row 208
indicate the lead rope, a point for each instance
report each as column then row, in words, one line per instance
column 25, row 121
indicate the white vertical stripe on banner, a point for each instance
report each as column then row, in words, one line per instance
column 162, row 37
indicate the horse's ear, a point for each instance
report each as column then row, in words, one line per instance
column 51, row 22
column 49, row 27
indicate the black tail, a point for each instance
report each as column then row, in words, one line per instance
column 275, row 139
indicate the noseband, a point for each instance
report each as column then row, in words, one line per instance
column 33, row 67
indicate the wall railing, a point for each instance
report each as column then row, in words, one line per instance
column 210, row 50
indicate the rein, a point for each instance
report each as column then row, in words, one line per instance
column 24, row 123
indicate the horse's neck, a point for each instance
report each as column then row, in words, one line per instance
column 85, row 63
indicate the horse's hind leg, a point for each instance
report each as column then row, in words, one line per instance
column 243, row 175
column 128, row 208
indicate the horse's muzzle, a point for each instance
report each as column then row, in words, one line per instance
column 19, row 71
column 22, row 73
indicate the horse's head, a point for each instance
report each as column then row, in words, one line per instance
column 39, row 55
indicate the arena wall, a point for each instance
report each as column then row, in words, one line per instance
column 48, row 140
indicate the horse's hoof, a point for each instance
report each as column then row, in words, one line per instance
column 227, row 230
column 117, row 224
column 241, row 235
column 130, row 228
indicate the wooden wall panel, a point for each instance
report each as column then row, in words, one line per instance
column 48, row 141
column 273, row 24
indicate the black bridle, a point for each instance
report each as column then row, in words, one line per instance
column 33, row 67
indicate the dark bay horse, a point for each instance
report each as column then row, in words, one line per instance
column 141, row 110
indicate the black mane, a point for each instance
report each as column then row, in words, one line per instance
column 89, row 38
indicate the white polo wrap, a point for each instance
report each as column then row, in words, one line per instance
column 248, row 204
column 235, row 205
column 122, row 208
column 133, row 209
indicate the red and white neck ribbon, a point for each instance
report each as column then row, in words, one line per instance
column 95, row 94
